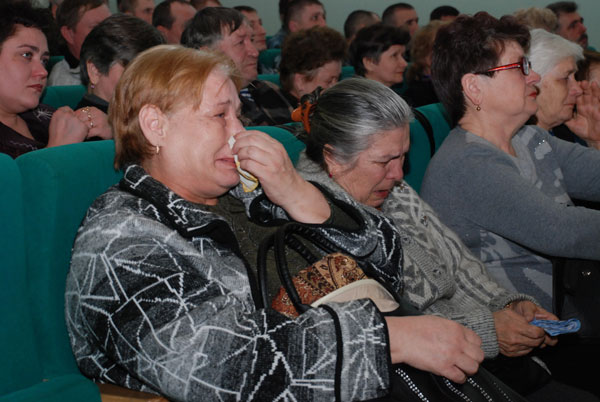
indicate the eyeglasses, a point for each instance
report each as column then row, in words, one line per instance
column 524, row 64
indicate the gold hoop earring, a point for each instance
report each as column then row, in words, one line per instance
column 157, row 149
column 478, row 108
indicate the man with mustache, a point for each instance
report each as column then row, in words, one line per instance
column 570, row 23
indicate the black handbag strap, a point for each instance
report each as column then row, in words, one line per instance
column 421, row 118
column 287, row 236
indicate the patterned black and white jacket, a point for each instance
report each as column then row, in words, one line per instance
column 159, row 299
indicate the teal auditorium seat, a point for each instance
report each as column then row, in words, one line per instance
column 267, row 57
column 65, row 95
column 424, row 144
column 274, row 78
column 59, row 184
column 20, row 367
column 347, row 72
column 34, row 368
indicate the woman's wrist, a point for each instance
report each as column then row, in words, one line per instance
column 307, row 205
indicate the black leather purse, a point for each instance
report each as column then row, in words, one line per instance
column 407, row 383
column 576, row 286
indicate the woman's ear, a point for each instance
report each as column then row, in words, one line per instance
column 68, row 34
column 472, row 88
column 333, row 166
column 93, row 72
column 154, row 125
column 369, row 64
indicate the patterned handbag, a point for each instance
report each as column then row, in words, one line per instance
column 332, row 278
column 335, row 277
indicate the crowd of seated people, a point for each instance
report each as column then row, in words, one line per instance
column 474, row 256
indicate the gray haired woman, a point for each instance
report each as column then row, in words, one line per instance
column 555, row 59
column 357, row 137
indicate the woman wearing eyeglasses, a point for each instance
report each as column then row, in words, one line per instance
column 503, row 186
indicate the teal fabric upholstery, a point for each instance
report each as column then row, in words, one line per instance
column 66, row 95
column 267, row 57
column 274, row 78
column 439, row 120
column 419, row 154
column 35, row 364
column 59, row 184
column 347, row 72
column 20, row 366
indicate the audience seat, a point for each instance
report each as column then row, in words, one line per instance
column 20, row 368
column 267, row 57
column 274, row 78
column 66, row 95
column 347, row 72
column 422, row 144
column 33, row 367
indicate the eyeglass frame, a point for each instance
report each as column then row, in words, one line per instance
column 524, row 65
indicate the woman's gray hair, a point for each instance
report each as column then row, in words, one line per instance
column 548, row 49
column 348, row 116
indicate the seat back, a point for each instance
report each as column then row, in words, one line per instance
column 59, row 184
column 274, row 78
column 268, row 56
column 419, row 154
column 20, row 366
column 439, row 120
column 347, row 72
column 63, row 95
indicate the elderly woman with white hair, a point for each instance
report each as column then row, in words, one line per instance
column 555, row 60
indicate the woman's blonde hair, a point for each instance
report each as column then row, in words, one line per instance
column 166, row 76
column 536, row 17
column 421, row 47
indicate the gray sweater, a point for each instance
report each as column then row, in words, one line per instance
column 158, row 298
column 513, row 212
column 440, row 275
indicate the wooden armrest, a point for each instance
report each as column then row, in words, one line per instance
column 115, row 393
